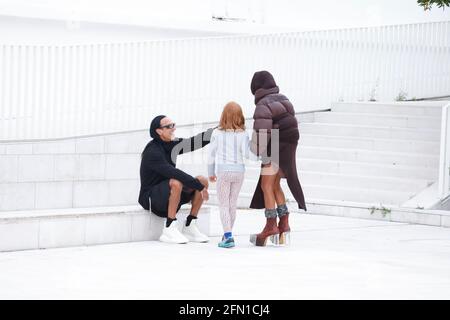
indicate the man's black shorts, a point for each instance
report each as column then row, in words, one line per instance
column 159, row 198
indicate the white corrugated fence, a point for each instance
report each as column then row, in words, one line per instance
column 56, row 91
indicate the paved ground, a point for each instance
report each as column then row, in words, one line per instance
column 330, row 258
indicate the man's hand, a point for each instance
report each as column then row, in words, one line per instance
column 212, row 178
column 205, row 194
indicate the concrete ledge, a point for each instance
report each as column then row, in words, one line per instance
column 438, row 218
column 24, row 230
column 372, row 211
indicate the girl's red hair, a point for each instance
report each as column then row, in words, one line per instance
column 232, row 117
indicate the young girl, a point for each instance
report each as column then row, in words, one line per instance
column 228, row 147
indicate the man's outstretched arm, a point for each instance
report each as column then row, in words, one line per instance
column 196, row 142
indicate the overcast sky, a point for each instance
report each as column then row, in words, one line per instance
column 301, row 14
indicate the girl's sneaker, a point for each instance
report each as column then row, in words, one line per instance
column 226, row 243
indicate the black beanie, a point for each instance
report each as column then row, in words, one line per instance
column 262, row 80
column 155, row 124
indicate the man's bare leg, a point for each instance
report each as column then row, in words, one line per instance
column 174, row 199
column 197, row 200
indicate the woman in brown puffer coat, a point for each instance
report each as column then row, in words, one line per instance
column 274, row 111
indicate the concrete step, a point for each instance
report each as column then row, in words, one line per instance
column 428, row 109
column 368, row 156
column 372, row 187
column 375, row 119
column 428, row 198
column 106, row 225
column 364, row 195
column 348, row 181
column 375, row 211
column 326, row 166
column 397, row 145
column 23, row 230
column 352, row 209
column 360, row 169
column 332, row 193
column 317, row 128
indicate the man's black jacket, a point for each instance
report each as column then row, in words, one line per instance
column 159, row 161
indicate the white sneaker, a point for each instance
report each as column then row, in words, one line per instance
column 172, row 234
column 193, row 234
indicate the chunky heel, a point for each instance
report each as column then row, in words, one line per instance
column 262, row 241
column 275, row 239
column 253, row 239
column 285, row 230
column 285, row 238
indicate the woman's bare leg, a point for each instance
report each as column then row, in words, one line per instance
column 267, row 186
column 279, row 194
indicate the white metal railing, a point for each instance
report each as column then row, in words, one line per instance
column 444, row 160
column 53, row 91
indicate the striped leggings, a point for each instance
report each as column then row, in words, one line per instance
column 228, row 186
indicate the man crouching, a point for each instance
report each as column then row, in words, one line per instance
column 164, row 188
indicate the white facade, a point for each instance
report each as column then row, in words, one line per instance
column 38, row 31
column 54, row 91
